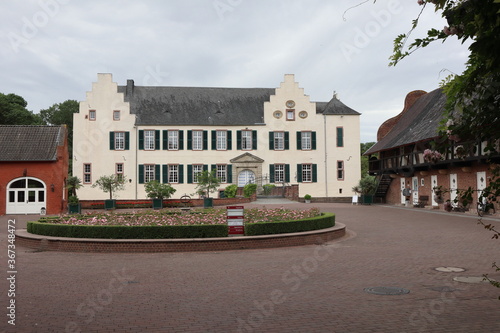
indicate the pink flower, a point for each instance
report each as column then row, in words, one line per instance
column 420, row 2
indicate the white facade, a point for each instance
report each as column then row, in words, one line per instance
column 325, row 165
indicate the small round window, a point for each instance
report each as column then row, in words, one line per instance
column 277, row 114
column 303, row 114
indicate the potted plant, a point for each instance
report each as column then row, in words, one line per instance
column 110, row 184
column 307, row 198
column 74, row 206
column 367, row 187
column 158, row 191
column 207, row 182
column 438, row 194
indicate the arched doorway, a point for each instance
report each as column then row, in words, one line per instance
column 246, row 177
column 26, row 195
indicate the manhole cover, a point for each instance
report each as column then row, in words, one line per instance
column 449, row 269
column 469, row 279
column 387, row 291
column 444, row 289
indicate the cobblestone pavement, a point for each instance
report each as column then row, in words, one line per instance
column 317, row 288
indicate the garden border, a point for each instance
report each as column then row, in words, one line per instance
column 47, row 243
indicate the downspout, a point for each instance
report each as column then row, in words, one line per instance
column 136, row 165
column 326, row 156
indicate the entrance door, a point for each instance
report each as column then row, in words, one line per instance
column 246, row 177
column 403, row 186
column 453, row 188
column 434, row 183
column 25, row 196
column 414, row 191
column 481, row 182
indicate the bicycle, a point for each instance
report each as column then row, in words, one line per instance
column 484, row 206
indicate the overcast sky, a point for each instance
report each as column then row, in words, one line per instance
column 52, row 50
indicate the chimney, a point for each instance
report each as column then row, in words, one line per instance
column 130, row 88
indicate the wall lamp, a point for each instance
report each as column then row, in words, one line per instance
column 52, row 187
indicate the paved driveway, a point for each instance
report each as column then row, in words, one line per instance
column 296, row 289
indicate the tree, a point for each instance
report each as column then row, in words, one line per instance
column 207, row 182
column 13, row 111
column 62, row 114
column 156, row 190
column 364, row 159
column 112, row 183
column 73, row 183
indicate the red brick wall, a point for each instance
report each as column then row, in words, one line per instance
column 49, row 172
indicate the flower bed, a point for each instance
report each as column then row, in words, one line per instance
column 174, row 224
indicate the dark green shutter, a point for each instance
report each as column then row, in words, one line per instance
column 127, row 140
column 313, row 140
column 205, row 140
column 214, row 140
column 190, row 173
column 165, row 139
column 165, row 173
column 299, row 140
column 205, row 167
column 181, row 173
column 157, row 139
column 299, row 173
column 287, row 141
column 315, row 173
column 157, row 172
column 229, row 173
column 271, row 140
column 141, row 174
column 287, row 173
column 111, row 140
column 238, row 140
column 141, row 139
column 254, row 140
column 340, row 137
column 271, row 173
column 181, row 140
column 190, row 140
column 213, row 167
column 229, row 140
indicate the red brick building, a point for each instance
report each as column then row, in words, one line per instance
column 400, row 161
column 33, row 169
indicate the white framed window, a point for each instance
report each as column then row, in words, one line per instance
column 246, row 140
column 307, row 173
column 116, row 115
column 119, row 170
column 340, row 170
column 92, row 115
column 197, row 169
column 149, row 140
column 173, row 173
column 87, row 173
column 119, row 140
column 221, row 140
column 279, row 173
column 173, row 140
column 149, row 172
column 290, row 114
column 197, row 140
column 306, row 141
column 222, row 172
column 279, row 140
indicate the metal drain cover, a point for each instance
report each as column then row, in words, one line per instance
column 449, row 269
column 387, row 291
column 469, row 279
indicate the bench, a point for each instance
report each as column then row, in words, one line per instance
column 422, row 201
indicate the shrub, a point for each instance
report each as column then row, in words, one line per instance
column 325, row 220
column 307, row 197
column 156, row 190
column 249, row 190
column 230, row 191
column 268, row 188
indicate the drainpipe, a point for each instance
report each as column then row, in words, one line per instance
column 326, row 156
column 136, row 165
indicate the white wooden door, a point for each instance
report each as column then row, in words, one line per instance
column 403, row 185
column 453, row 188
column 434, row 183
column 414, row 189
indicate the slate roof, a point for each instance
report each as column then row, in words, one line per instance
column 204, row 106
column 419, row 123
column 30, row 143
column 334, row 106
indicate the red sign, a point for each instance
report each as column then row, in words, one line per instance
column 236, row 230
column 235, row 207
column 235, row 220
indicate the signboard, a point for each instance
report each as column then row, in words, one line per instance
column 235, row 220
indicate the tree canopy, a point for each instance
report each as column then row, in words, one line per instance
column 13, row 111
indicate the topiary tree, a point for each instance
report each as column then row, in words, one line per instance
column 110, row 184
column 73, row 183
column 207, row 182
column 156, row 190
column 230, row 191
column 249, row 190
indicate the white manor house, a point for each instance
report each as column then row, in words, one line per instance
column 259, row 135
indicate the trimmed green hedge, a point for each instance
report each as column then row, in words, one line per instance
column 127, row 232
column 326, row 220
